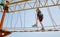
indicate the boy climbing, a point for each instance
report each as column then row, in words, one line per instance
column 40, row 18
column 5, row 6
column 5, row 9
column 4, row 33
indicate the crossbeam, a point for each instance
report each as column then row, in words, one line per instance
column 31, row 5
column 49, row 30
column 18, row 2
column 32, row 29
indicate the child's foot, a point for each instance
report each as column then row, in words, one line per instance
column 43, row 29
column 35, row 25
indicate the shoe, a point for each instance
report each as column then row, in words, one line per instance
column 35, row 25
column 43, row 29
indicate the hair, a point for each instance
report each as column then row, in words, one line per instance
column 38, row 10
column 7, row 1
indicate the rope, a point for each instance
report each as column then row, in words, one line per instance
column 59, row 9
column 11, row 19
column 34, row 3
column 16, row 22
column 24, row 19
column 7, row 21
column 51, row 17
column 57, row 1
column 36, row 13
column 36, row 22
column 21, row 20
column 45, row 2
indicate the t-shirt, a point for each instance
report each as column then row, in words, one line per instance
column 39, row 13
column 4, row 6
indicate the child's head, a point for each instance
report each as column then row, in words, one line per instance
column 7, row 2
column 37, row 10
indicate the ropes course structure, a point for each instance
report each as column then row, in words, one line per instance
column 23, row 6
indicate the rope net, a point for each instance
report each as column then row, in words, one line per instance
column 23, row 20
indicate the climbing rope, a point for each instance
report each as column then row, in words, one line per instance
column 24, row 18
column 7, row 21
column 11, row 20
column 20, row 19
column 53, row 22
column 16, row 21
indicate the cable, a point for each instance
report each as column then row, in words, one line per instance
column 16, row 22
column 11, row 20
column 24, row 18
column 7, row 21
column 21, row 20
column 51, row 17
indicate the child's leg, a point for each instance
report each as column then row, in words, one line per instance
column 35, row 24
column 42, row 25
column 40, row 20
column 36, row 21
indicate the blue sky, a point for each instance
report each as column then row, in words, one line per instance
column 30, row 17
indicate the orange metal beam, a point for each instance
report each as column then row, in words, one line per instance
column 4, row 33
column 2, row 20
column 19, row 2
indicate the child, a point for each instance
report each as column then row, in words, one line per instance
column 39, row 17
column 5, row 6
column 5, row 9
column 4, row 33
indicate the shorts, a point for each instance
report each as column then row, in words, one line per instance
column 5, row 8
column 40, row 18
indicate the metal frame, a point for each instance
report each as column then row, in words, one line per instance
column 31, row 5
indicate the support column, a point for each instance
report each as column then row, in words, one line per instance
column 2, row 20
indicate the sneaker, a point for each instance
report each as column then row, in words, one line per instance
column 43, row 29
column 35, row 25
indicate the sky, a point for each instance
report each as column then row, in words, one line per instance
column 16, row 20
